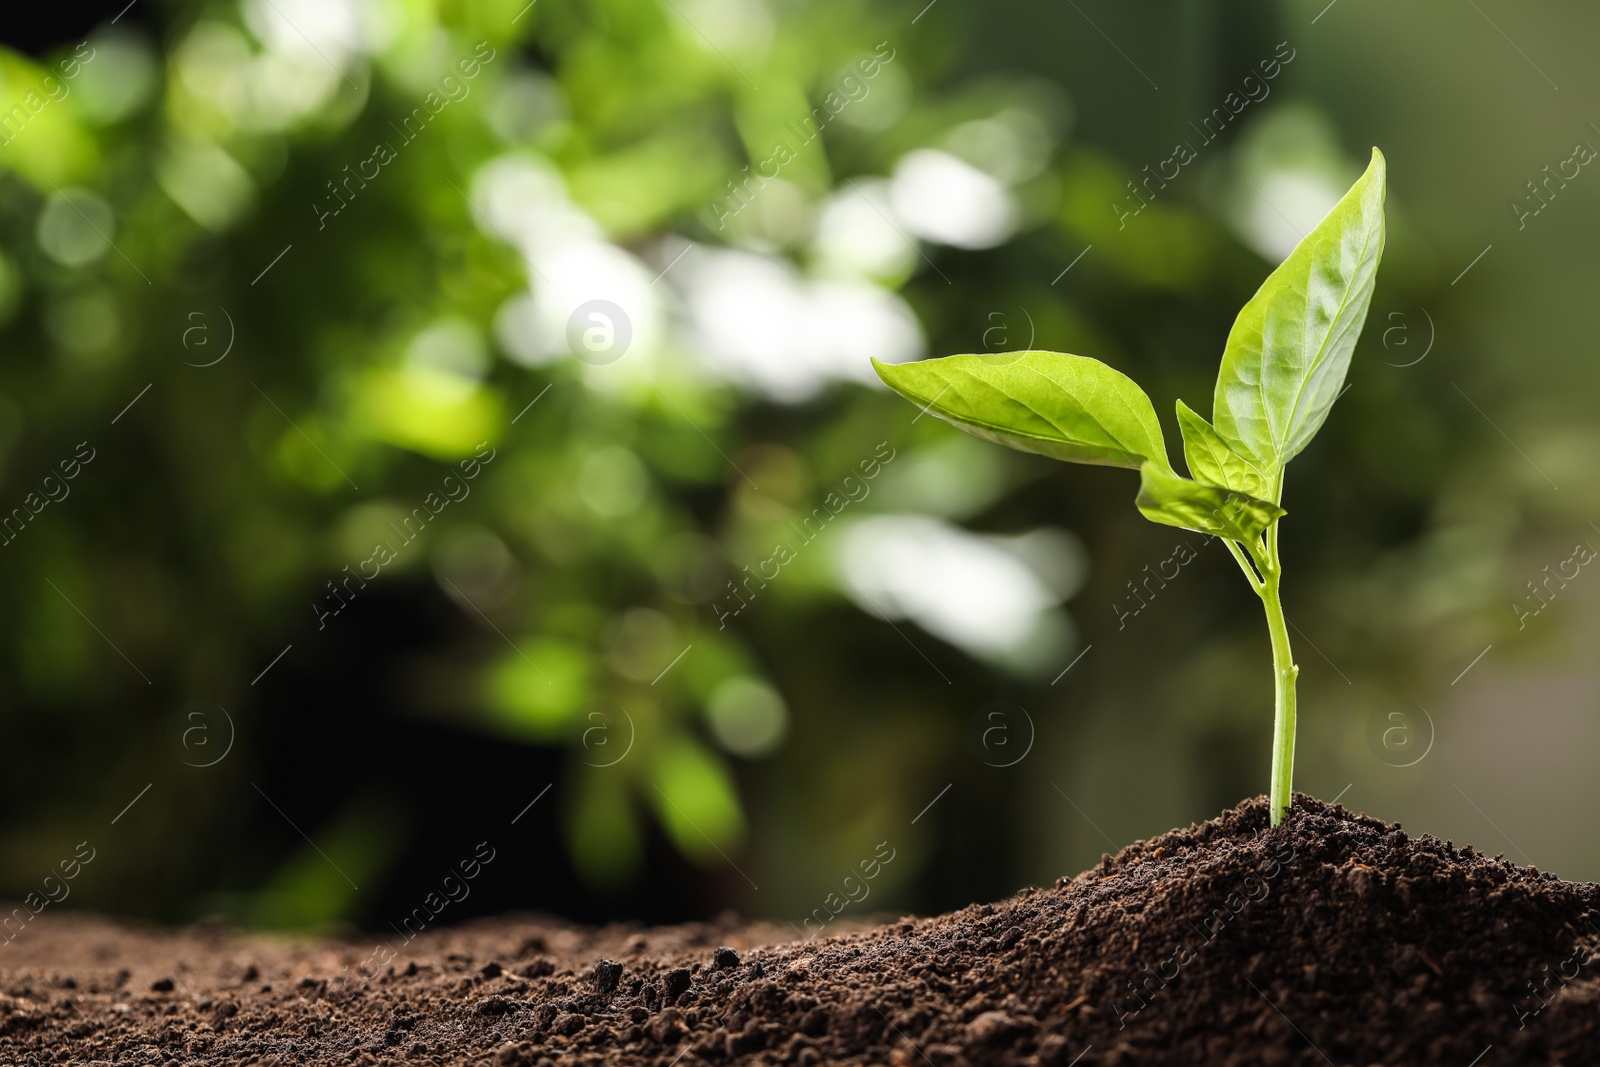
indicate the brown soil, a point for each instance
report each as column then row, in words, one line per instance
column 1334, row 939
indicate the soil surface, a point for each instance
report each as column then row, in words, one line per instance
column 1334, row 939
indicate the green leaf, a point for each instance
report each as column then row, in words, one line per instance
column 1211, row 460
column 1067, row 407
column 1290, row 347
column 1174, row 500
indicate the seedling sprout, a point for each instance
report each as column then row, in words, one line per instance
column 1283, row 367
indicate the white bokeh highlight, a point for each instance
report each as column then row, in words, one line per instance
column 949, row 201
column 974, row 591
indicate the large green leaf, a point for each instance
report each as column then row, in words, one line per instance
column 1174, row 500
column 1290, row 347
column 1211, row 460
column 1058, row 405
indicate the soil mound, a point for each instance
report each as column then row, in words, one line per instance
column 1333, row 939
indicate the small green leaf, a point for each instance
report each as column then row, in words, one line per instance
column 1063, row 406
column 1174, row 500
column 1211, row 460
column 1290, row 347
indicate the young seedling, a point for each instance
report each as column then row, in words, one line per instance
column 1283, row 367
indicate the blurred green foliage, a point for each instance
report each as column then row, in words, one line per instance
column 390, row 251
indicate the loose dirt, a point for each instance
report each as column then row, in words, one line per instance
column 1334, row 939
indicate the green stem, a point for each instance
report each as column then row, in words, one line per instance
column 1284, row 673
column 1249, row 573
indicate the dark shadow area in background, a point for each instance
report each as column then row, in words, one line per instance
column 1194, row 53
column 335, row 733
column 42, row 29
